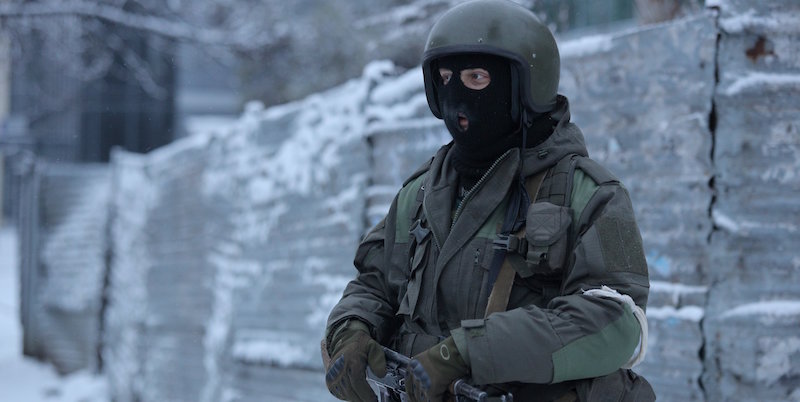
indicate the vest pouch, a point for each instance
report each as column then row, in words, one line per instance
column 546, row 230
column 418, row 256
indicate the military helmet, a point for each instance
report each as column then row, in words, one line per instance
column 502, row 28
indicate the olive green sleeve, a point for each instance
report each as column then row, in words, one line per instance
column 372, row 296
column 576, row 335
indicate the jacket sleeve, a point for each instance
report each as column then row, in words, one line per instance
column 372, row 296
column 576, row 335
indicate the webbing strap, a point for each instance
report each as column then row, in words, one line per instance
column 501, row 288
column 501, row 291
column 556, row 186
column 514, row 220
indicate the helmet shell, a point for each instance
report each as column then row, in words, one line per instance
column 502, row 28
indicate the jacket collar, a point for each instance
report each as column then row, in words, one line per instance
column 566, row 139
column 442, row 183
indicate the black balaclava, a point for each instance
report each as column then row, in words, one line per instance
column 492, row 129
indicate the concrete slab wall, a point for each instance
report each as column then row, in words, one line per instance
column 230, row 247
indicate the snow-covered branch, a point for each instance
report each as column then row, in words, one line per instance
column 246, row 37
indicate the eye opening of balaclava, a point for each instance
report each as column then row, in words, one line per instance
column 491, row 127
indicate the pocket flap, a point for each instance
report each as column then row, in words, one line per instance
column 546, row 223
column 405, row 306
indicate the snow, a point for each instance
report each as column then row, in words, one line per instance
column 208, row 123
column 398, row 89
column 749, row 21
column 585, row 46
column 676, row 290
column 74, row 252
column 689, row 313
column 245, row 35
column 724, row 221
column 232, row 273
column 320, row 127
column 745, row 227
column 389, row 114
column 760, row 81
column 775, row 363
column 307, row 158
column 23, row 379
column 282, row 353
column 778, row 308
column 272, row 347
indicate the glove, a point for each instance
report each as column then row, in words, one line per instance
column 352, row 350
column 431, row 372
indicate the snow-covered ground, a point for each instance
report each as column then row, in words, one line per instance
column 23, row 379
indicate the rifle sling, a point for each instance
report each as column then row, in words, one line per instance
column 501, row 290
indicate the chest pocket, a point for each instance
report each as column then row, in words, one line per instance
column 546, row 231
column 419, row 254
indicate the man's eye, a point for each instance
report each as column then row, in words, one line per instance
column 446, row 74
column 476, row 78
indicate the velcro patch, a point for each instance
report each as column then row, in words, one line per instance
column 621, row 245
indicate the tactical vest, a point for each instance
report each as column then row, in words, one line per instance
column 553, row 221
column 540, row 255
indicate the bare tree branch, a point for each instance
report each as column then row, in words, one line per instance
column 244, row 37
column 138, row 67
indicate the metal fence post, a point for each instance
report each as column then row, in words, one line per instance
column 28, row 177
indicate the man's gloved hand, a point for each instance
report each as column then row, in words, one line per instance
column 431, row 372
column 352, row 348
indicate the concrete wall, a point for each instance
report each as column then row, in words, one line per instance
column 644, row 101
column 230, row 247
column 753, row 316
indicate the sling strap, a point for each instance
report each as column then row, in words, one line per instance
column 501, row 289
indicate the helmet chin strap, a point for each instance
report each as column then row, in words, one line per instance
column 516, row 99
column 525, row 125
column 524, row 199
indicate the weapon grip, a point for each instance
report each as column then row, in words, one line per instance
column 393, row 356
column 460, row 387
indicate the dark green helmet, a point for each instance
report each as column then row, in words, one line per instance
column 502, row 28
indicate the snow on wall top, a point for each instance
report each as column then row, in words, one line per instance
column 289, row 190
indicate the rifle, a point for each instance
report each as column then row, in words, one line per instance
column 392, row 388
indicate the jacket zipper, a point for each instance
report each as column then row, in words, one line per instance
column 467, row 196
column 477, row 185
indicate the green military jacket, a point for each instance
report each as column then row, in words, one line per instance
column 414, row 291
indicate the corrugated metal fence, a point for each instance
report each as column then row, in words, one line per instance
column 62, row 218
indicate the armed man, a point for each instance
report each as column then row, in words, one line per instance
column 510, row 259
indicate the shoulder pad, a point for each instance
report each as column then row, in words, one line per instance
column 427, row 165
column 409, row 200
column 422, row 169
column 596, row 171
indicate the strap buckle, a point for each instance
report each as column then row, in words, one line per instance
column 511, row 243
column 419, row 232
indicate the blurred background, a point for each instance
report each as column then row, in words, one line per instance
column 80, row 77
column 184, row 183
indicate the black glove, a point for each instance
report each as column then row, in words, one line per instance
column 352, row 348
column 431, row 372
